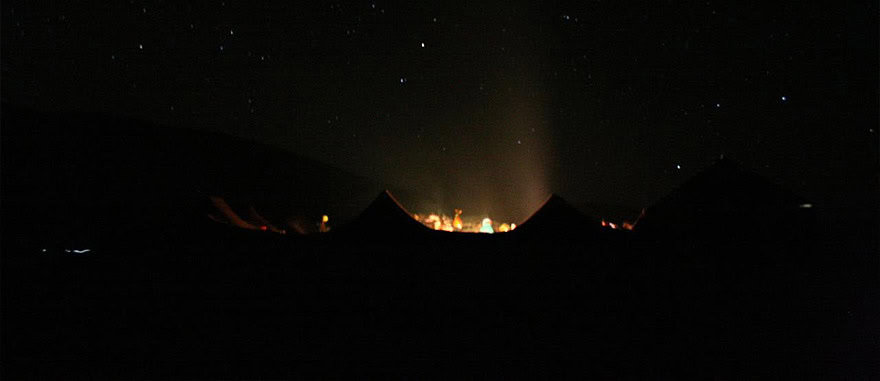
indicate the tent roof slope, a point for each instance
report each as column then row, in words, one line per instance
column 385, row 216
column 723, row 193
column 556, row 216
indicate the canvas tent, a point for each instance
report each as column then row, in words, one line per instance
column 384, row 219
column 557, row 218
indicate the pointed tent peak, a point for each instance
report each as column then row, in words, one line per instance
column 384, row 217
column 556, row 205
column 557, row 215
column 386, row 201
column 725, row 192
column 727, row 175
column 555, row 200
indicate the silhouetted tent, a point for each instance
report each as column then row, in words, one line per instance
column 384, row 219
column 556, row 218
column 727, row 201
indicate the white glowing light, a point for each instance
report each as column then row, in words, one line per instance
column 422, row 44
column 805, row 206
column 487, row 226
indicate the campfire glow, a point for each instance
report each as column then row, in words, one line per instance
column 463, row 225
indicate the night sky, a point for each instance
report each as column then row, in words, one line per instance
column 486, row 106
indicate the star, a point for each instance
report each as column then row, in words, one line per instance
column 141, row 46
column 402, row 80
column 422, row 44
column 783, row 98
column 677, row 166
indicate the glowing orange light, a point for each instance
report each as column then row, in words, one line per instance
column 504, row 228
column 456, row 222
column 323, row 228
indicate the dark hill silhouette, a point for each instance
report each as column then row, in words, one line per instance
column 78, row 176
column 726, row 201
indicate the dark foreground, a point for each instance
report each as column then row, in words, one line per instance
column 725, row 278
column 215, row 302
